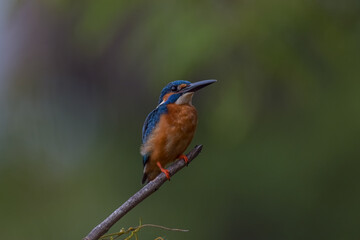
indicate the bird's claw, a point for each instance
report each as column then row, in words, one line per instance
column 167, row 173
column 185, row 158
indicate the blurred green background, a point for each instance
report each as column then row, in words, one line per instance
column 280, row 128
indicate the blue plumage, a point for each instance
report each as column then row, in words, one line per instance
column 150, row 122
column 168, row 87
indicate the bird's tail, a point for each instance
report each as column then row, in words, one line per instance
column 144, row 178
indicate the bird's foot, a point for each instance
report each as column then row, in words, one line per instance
column 167, row 173
column 185, row 158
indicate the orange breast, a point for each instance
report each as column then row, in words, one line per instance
column 171, row 137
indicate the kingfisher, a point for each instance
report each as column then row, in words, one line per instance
column 170, row 127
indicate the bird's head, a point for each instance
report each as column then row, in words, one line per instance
column 181, row 91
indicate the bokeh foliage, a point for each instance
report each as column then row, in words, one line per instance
column 280, row 128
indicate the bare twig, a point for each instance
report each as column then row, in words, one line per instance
column 164, row 228
column 138, row 197
column 134, row 230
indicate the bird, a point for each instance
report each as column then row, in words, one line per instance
column 169, row 128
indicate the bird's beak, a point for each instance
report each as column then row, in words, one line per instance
column 193, row 87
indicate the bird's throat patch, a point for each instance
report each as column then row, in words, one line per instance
column 186, row 98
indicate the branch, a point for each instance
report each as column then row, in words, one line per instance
column 132, row 231
column 138, row 197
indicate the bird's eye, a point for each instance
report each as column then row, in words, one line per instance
column 174, row 88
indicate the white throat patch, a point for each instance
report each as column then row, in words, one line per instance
column 186, row 98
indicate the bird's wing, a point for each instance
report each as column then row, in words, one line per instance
column 150, row 123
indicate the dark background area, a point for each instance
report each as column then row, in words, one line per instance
column 280, row 128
